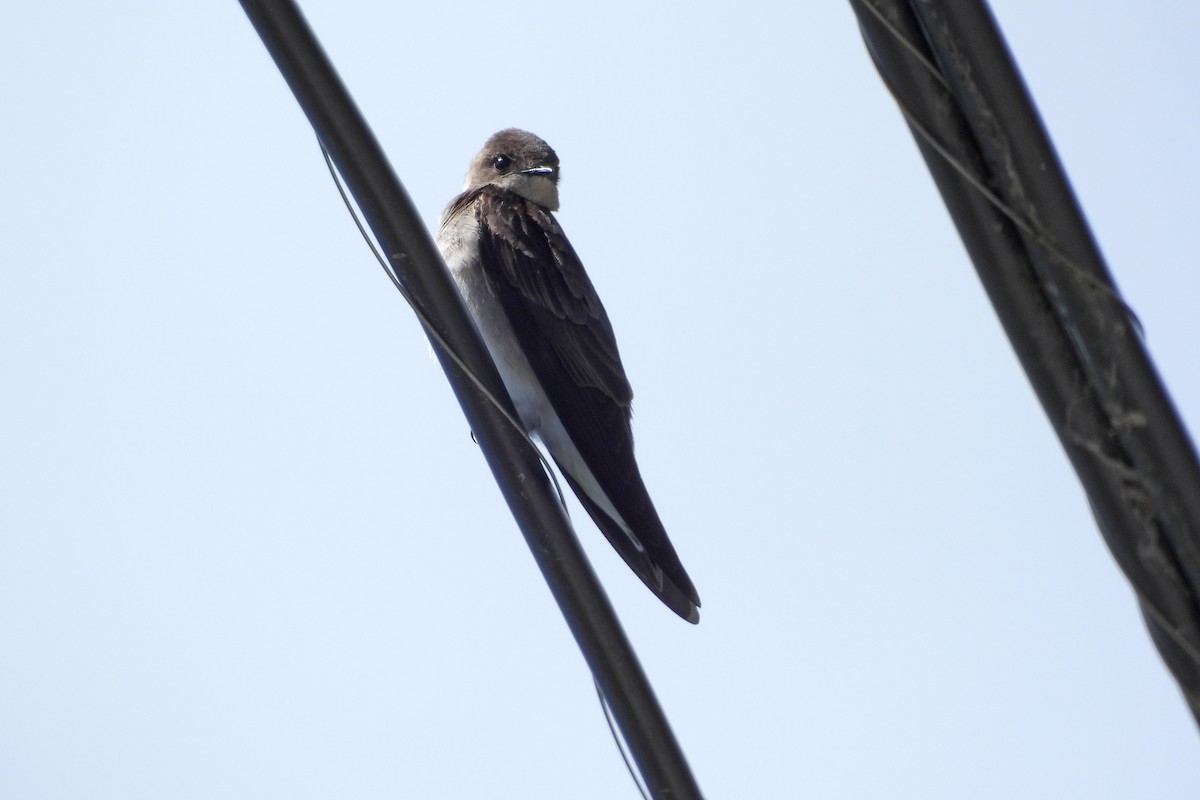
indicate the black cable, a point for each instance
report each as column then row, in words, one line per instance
column 948, row 68
column 514, row 463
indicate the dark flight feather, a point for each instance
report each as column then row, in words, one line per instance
column 564, row 332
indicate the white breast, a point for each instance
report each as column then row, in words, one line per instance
column 458, row 239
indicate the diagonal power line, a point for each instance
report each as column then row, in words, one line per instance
column 946, row 65
column 416, row 264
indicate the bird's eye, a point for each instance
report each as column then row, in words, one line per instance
column 502, row 163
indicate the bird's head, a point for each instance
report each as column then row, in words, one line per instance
column 520, row 162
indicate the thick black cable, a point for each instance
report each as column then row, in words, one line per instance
column 514, row 463
column 974, row 122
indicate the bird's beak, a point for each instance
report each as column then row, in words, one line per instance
column 538, row 171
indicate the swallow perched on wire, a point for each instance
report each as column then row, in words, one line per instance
column 550, row 337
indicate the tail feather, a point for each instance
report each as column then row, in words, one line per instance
column 659, row 568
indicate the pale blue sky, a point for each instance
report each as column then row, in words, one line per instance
column 248, row 549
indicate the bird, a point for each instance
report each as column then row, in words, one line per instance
column 550, row 337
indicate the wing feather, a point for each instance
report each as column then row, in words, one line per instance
column 564, row 332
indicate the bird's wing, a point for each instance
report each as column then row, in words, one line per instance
column 565, row 334
column 552, row 290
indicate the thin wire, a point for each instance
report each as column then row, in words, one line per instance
column 907, row 45
column 433, row 333
column 620, row 742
